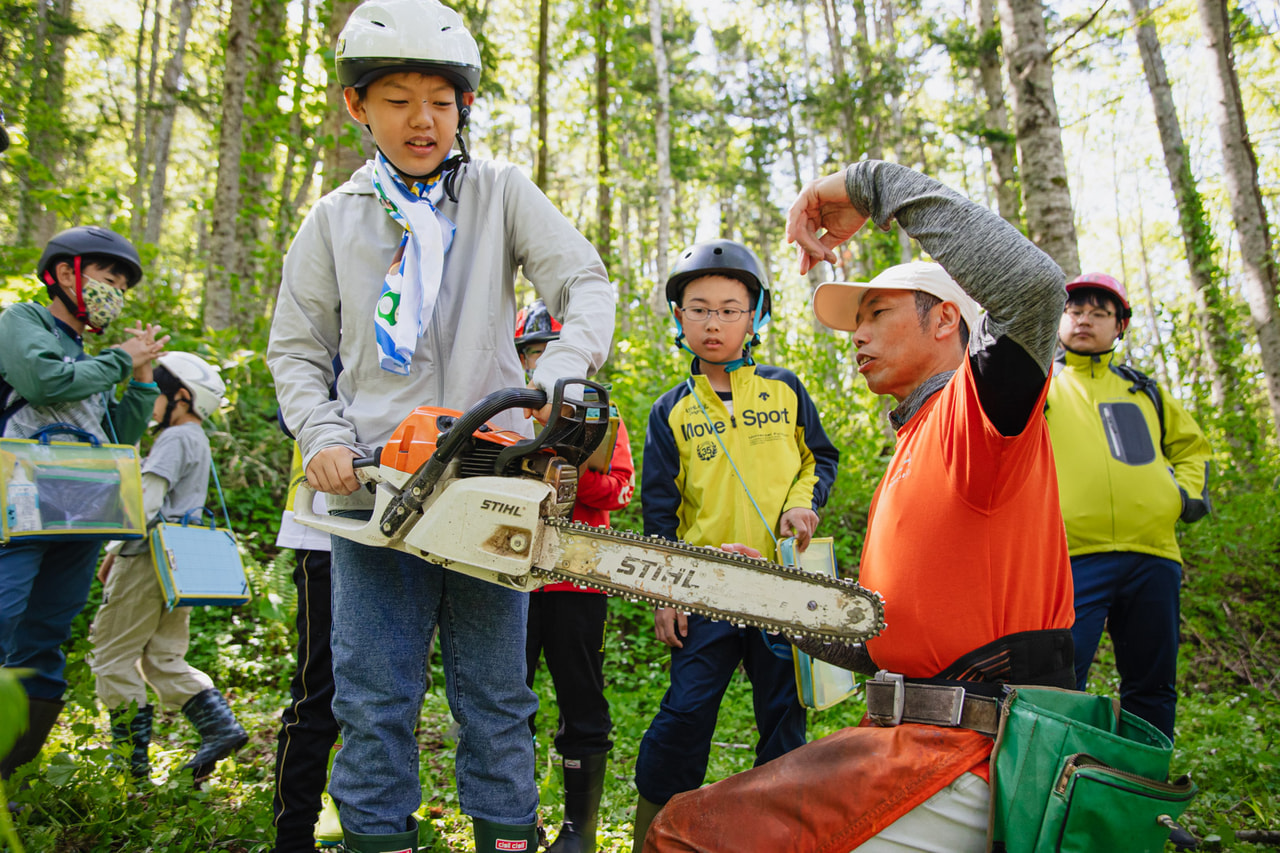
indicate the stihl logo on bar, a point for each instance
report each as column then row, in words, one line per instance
column 511, row 845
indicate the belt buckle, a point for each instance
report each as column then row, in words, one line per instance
column 937, row 705
column 899, row 697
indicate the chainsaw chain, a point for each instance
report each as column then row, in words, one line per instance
column 658, row 543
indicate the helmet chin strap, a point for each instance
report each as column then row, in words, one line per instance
column 75, row 306
column 453, row 165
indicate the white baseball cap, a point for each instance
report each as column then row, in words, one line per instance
column 835, row 303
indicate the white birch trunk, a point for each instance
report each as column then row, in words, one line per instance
column 999, row 141
column 1046, row 195
column 1197, row 237
column 662, row 128
column 1241, row 175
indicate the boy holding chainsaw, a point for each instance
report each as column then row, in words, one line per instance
column 734, row 453
column 407, row 271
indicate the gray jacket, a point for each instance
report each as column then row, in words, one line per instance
column 332, row 279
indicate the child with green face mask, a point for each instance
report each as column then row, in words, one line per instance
column 46, row 378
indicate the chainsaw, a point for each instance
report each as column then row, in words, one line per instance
column 454, row 490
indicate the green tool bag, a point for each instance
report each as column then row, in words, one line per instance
column 1072, row 773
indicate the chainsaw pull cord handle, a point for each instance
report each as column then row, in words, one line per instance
column 423, row 481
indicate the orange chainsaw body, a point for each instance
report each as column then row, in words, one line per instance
column 414, row 441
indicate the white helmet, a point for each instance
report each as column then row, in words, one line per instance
column 199, row 377
column 407, row 35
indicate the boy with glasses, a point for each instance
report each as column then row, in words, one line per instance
column 734, row 453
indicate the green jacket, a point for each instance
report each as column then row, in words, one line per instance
column 1123, row 485
column 45, row 365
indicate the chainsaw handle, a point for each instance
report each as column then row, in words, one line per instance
column 568, row 434
column 423, row 481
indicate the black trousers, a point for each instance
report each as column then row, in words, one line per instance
column 567, row 628
column 309, row 730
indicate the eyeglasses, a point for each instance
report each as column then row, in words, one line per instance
column 702, row 315
column 1097, row 315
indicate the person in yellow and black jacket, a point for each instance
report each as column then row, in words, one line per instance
column 1131, row 463
column 734, row 453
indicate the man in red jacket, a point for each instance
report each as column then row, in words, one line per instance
column 566, row 626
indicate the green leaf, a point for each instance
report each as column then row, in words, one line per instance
column 13, row 709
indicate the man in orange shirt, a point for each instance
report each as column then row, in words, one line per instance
column 964, row 539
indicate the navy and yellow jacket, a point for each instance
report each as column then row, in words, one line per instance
column 689, row 489
column 1122, row 483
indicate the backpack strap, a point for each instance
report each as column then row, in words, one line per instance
column 1143, row 384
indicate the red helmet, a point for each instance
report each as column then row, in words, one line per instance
column 1102, row 281
column 535, row 325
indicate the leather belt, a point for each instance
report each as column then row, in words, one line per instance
column 892, row 700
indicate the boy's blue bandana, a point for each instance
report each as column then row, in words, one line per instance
column 413, row 281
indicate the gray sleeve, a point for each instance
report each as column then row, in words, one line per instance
column 305, row 334
column 167, row 457
column 1020, row 286
column 567, row 273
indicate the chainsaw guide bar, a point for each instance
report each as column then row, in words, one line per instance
column 710, row 582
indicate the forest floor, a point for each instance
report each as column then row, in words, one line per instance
column 1228, row 722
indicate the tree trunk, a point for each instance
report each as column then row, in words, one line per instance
column 843, row 85
column 264, row 127
column 1197, row 234
column 225, row 251
column 298, row 143
column 1241, row 175
column 662, row 128
column 1046, row 195
column 347, row 144
column 540, row 98
column 1000, row 142
column 604, row 200
column 159, row 144
column 46, row 126
column 138, row 140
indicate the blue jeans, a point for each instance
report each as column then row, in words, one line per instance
column 1136, row 597
column 385, row 606
column 43, row 587
column 674, row 751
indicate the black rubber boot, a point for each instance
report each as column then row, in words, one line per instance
column 220, row 734
column 396, row 842
column 41, row 715
column 133, row 728
column 583, row 785
column 492, row 837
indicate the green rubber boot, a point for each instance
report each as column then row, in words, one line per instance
column 395, row 842
column 645, row 813
column 491, row 837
